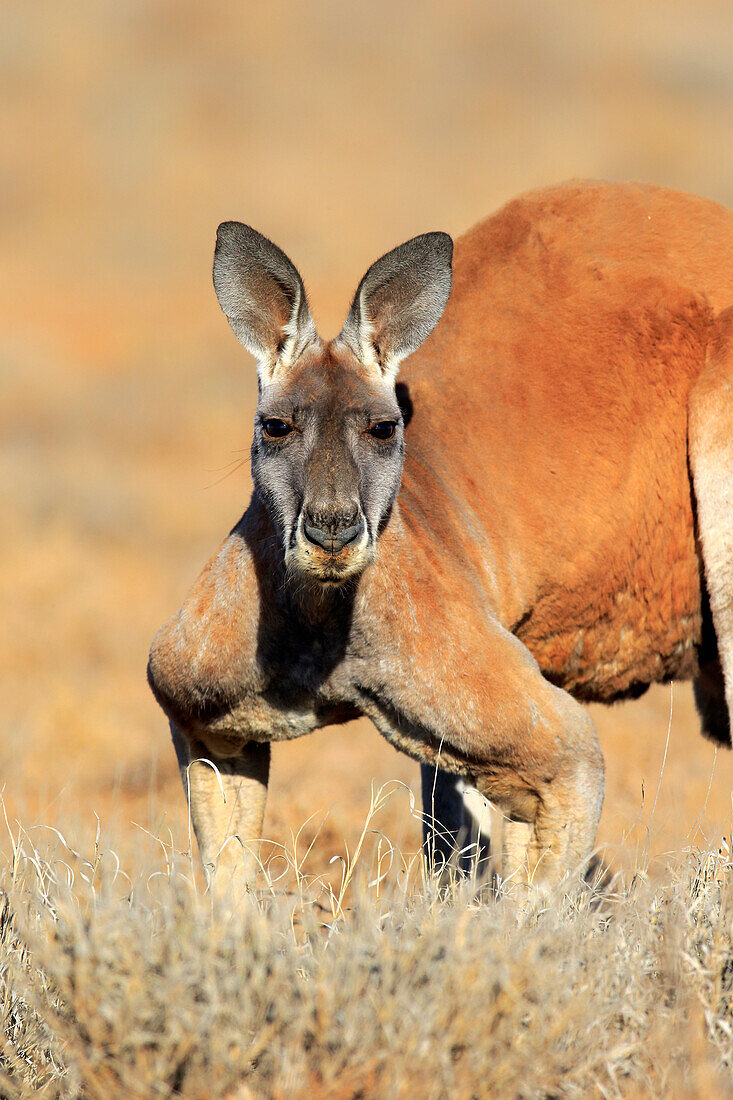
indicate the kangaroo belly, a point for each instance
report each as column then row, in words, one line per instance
column 632, row 621
column 618, row 657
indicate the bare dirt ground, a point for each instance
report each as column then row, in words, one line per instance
column 130, row 131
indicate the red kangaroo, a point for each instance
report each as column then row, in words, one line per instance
column 539, row 514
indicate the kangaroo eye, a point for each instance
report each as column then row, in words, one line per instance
column 385, row 429
column 276, row 429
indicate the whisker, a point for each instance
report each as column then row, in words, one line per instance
column 229, row 472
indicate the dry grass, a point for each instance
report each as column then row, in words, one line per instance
column 120, row 982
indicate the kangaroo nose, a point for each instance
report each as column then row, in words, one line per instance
column 332, row 530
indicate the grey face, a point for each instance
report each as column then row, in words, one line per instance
column 328, row 443
column 327, row 460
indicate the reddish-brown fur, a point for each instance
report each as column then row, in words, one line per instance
column 546, row 511
column 551, row 416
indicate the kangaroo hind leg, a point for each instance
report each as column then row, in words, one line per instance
column 456, row 831
column 711, row 462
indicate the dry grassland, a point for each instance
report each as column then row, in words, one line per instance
column 129, row 132
column 119, row 984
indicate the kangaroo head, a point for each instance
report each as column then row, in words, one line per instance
column 328, row 443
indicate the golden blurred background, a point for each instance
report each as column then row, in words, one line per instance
column 338, row 129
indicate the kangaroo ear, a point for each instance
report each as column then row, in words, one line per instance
column 263, row 298
column 399, row 302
